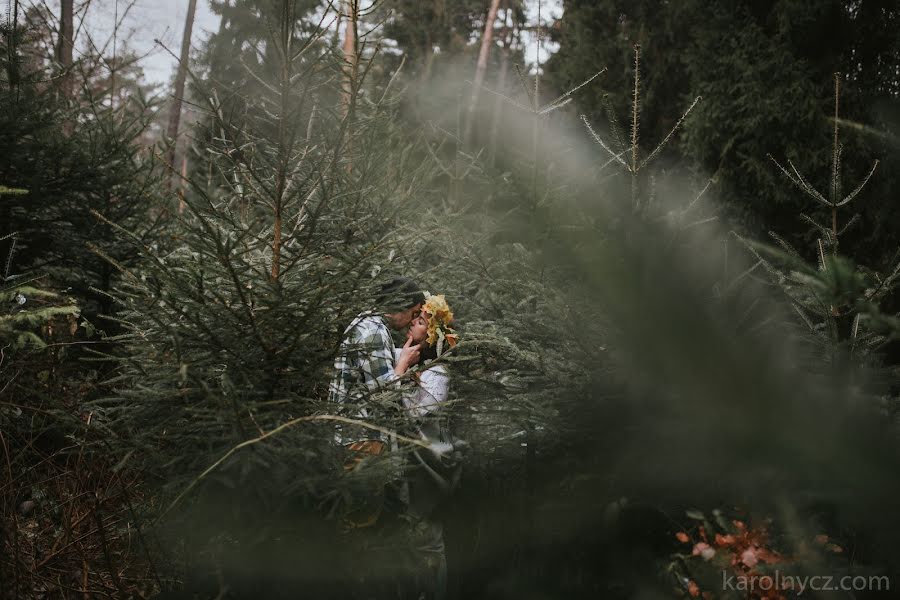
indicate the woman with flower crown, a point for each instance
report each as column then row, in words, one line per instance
column 436, row 470
column 431, row 330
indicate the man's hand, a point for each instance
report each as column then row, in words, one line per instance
column 409, row 356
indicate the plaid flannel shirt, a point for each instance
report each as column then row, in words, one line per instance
column 364, row 364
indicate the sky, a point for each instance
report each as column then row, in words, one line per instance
column 144, row 22
column 148, row 20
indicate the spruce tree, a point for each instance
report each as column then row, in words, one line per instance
column 75, row 155
column 231, row 330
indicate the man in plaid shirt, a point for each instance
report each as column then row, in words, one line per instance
column 365, row 365
column 365, row 362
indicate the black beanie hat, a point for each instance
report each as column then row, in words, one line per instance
column 399, row 293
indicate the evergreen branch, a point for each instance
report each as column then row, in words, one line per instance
column 318, row 33
column 669, row 136
column 613, row 120
column 259, row 80
column 859, row 188
column 103, row 293
column 9, row 256
column 700, row 222
column 18, row 284
column 8, row 191
column 525, row 86
column 121, row 268
column 37, row 317
column 752, row 247
column 603, row 145
column 551, row 108
column 800, row 182
column 746, row 273
column 698, row 196
column 99, row 216
column 635, row 109
column 438, row 161
column 508, row 99
column 836, row 147
column 824, row 231
column 886, row 284
column 369, row 63
column 799, row 310
column 781, row 242
column 854, row 332
column 452, row 136
column 837, row 189
column 577, row 87
column 222, row 255
column 23, row 338
column 615, row 158
column 216, row 112
column 279, row 429
column 473, row 163
column 808, row 187
column 391, row 81
column 26, row 290
column 856, row 217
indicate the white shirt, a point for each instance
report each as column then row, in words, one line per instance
column 424, row 401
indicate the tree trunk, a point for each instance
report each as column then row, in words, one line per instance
column 497, row 117
column 427, row 62
column 64, row 57
column 181, row 204
column 64, row 51
column 351, row 69
column 288, row 20
column 481, row 66
column 180, row 77
column 351, row 60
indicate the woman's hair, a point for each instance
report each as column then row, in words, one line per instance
column 427, row 352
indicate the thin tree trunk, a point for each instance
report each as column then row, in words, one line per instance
column 181, row 203
column 440, row 20
column 497, row 117
column 351, row 69
column 351, row 58
column 284, row 150
column 64, row 51
column 180, row 77
column 64, row 55
column 481, row 67
column 427, row 62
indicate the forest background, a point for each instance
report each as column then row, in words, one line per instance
column 671, row 245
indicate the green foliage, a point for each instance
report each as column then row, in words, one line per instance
column 7, row 191
column 26, row 308
column 625, row 152
column 295, row 214
column 237, row 56
column 763, row 93
column 17, row 321
column 609, row 358
column 19, row 325
column 74, row 156
column 622, row 25
column 838, row 301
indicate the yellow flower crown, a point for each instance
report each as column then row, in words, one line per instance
column 439, row 318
